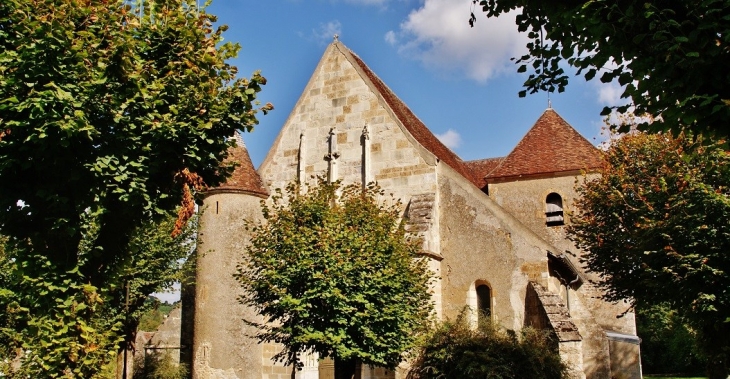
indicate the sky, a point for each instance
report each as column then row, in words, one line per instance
column 458, row 80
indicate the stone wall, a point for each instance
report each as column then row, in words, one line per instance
column 526, row 200
column 336, row 107
column 221, row 346
column 481, row 242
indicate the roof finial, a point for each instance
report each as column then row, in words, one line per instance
column 336, row 37
column 550, row 102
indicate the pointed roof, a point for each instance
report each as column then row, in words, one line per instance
column 551, row 146
column 244, row 178
column 407, row 118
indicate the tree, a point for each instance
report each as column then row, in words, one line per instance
column 670, row 56
column 336, row 276
column 111, row 116
column 656, row 226
column 668, row 344
column 67, row 328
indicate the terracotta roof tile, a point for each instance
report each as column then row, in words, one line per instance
column 481, row 168
column 244, row 177
column 551, row 146
column 410, row 121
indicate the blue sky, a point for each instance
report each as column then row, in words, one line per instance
column 458, row 80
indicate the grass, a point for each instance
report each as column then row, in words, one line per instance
column 674, row 377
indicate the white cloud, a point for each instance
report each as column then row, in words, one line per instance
column 326, row 32
column 450, row 138
column 170, row 295
column 609, row 93
column 391, row 38
column 439, row 35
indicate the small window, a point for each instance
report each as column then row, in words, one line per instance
column 554, row 210
column 484, row 302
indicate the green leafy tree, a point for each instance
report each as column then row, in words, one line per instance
column 668, row 343
column 656, row 226
column 112, row 114
column 338, row 276
column 456, row 350
column 669, row 55
column 155, row 313
column 58, row 326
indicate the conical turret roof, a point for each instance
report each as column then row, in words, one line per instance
column 244, row 179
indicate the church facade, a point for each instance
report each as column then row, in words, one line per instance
column 493, row 230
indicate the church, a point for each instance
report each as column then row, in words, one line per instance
column 493, row 230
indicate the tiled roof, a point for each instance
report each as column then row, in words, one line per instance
column 551, row 146
column 481, row 168
column 410, row 121
column 244, row 177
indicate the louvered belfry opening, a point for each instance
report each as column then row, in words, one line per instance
column 554, row 210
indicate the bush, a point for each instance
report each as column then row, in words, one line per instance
column 456, row 350
column 159, row 365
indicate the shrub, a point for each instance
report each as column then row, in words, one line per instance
column 456, row 350
column 158, row 365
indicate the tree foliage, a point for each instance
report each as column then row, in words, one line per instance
column 337, row 276
column 58, row 326
column 155, row 314
column 110, row 109
column 455, row 350
column 668, row 343
column 159, row 364
column 112, row 113
column 669, row 55
column 656, row 226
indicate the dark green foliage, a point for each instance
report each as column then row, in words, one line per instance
column 155, row 314
column 668, row 343
column 336, row 275
column 71, row 329
column 656, row 224
column 455, row 350
column 669, row 55
column 111, row 114
column 158, row 364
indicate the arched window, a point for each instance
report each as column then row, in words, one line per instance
column 484, row 302
column 554, row 210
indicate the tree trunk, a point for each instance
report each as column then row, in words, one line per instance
column 347, row 369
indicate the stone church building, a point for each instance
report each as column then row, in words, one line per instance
column 493, row 229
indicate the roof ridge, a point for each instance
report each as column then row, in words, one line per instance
column 406, row 116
